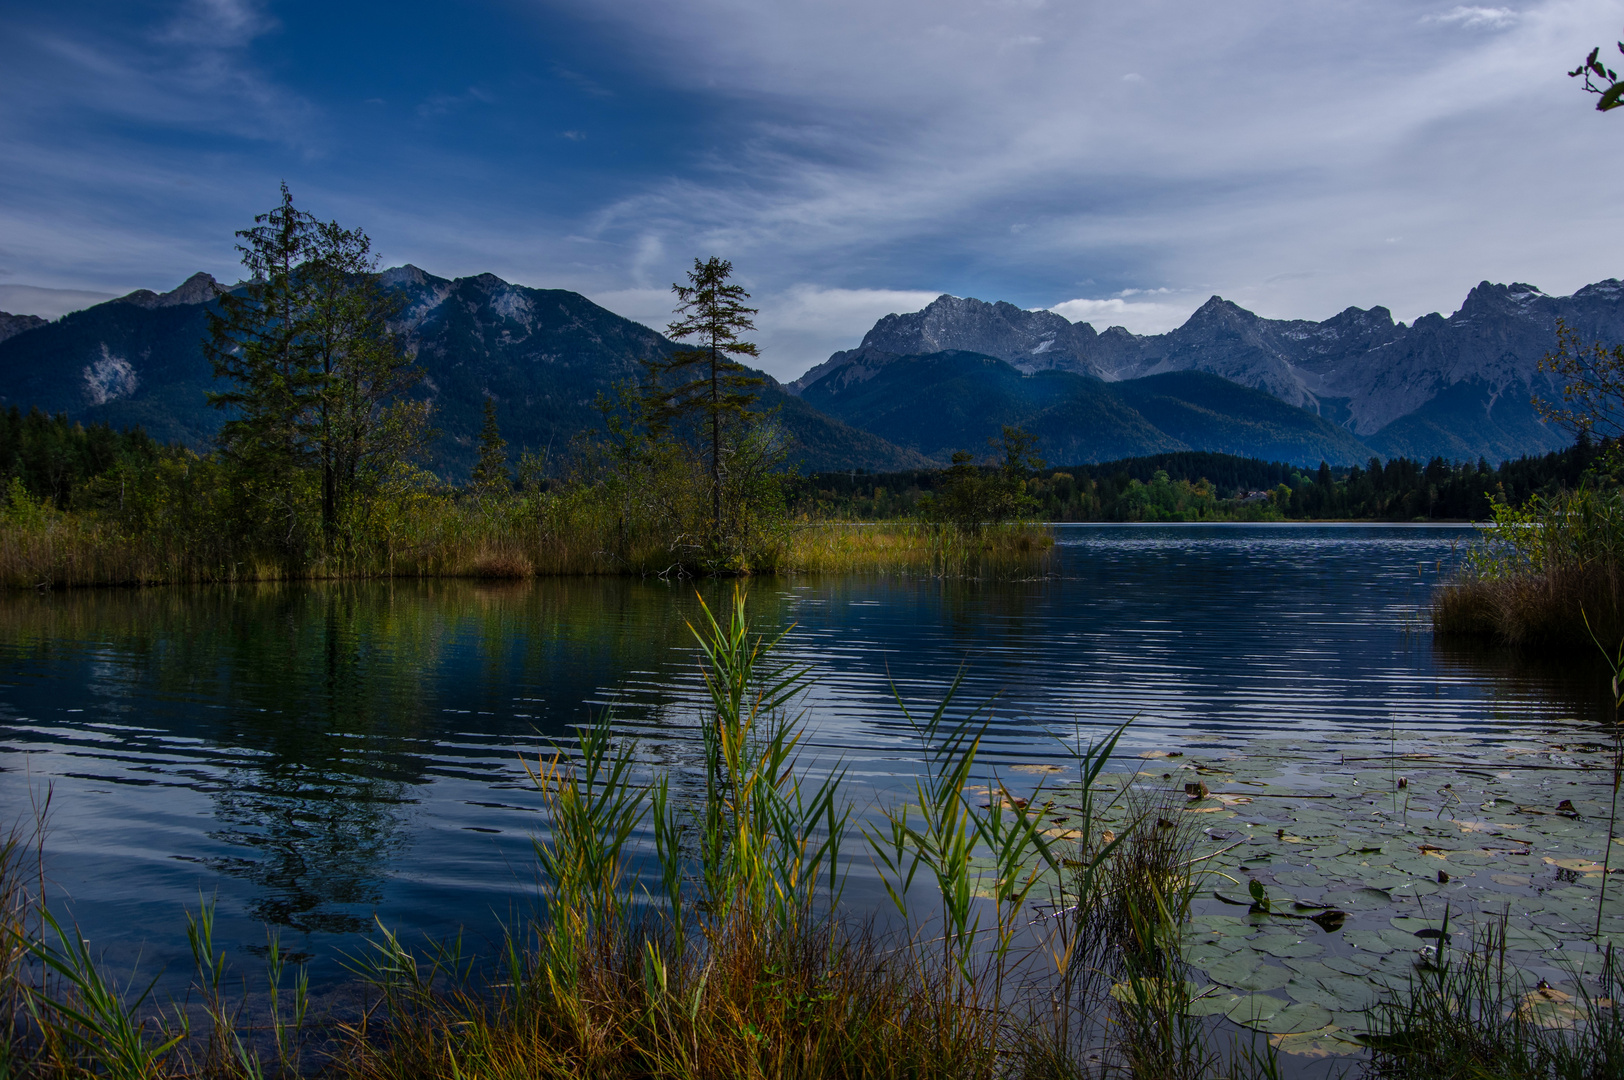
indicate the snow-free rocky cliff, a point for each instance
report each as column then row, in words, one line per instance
column 1457, row 386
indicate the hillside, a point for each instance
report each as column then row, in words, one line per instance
column 948, row 401
column 544, row 356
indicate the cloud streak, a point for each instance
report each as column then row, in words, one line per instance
column 849, row 156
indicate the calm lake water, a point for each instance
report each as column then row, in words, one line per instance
column 317, row 755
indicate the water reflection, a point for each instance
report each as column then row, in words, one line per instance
column 321, row 753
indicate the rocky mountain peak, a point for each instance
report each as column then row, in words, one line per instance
column 1030, row 340
column 200, row 288
column 1494, row 300
column 12, row 325
column 406, row 274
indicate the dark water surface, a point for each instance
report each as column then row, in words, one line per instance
column 319, row 754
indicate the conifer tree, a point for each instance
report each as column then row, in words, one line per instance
column 313, row 374
column 255, row 347
column 490, row 472
column 713, row 388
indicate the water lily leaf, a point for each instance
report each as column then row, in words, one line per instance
column 1400, row 940
column 1360, row 899
column 1369, row 941
column 1328, row 1041
column 1215, row 1004
column 1204, row 955
column 1550, row 1008
column 1266, row 977
column 1345, row 965
column 1230, row 969
column 1294, row 1018
column 1283, row 945
column 1330, row 921
column 1255, row 1009
column 1414, row 925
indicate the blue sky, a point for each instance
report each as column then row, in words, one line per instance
column 1116, row 162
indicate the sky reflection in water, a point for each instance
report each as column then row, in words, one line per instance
column 318, row 754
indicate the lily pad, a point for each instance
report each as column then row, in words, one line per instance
column 1230, row 969
column 1255, row 1009
column 1216, row 1004
column 1283, row 945
column 1290, row 1020
column 1266, row 977
column 1328, row 1041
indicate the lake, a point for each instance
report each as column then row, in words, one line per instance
column 319, row 754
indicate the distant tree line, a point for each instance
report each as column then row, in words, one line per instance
column 1196, row 486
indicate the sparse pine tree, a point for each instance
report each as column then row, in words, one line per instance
column 710, row 387
column 490, row 472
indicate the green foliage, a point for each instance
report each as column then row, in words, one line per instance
column 969, row 497
column 1593, row 386
column 703, row 390
column 490, row 471
column 1191, row 486
column 54, row 458
column 1547, row 571
column 1611, row 95
column 315, row 381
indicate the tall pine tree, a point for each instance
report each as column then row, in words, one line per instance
column 710, row 386
column 315, row 378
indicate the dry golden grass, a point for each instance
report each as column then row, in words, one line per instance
column 916, row 548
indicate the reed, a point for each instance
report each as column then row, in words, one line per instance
column 434, row 535
column 693, row 927
column 1541, row 574
column 1468, row 1015
column 1004, row 551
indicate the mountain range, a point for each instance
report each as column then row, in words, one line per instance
column 918, row 387
column 1458, row 387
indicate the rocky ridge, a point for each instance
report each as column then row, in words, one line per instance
column 1456, row 386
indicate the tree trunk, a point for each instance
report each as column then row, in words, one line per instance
column 716, row 447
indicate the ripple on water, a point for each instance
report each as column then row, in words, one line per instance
column 315, row 754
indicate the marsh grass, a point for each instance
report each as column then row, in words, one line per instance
column 923, row 548
column 1469, row 1015
column 1540, row 573
column 693, row 928
column 428, row 534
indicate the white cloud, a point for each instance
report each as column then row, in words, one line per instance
column 1493, row 18
column 46, row 303
column 797, row 327
column 1139, row 317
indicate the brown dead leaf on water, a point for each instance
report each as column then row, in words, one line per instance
column 1328, row 1041
column 1549, row 1007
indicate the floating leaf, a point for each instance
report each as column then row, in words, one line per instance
column 1231, row 969
column 1550, row 1008
column 1215, row 1004
column 1328, row 1041
column 1265, row 977
column 1255, row 1009
column 1283, row 945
